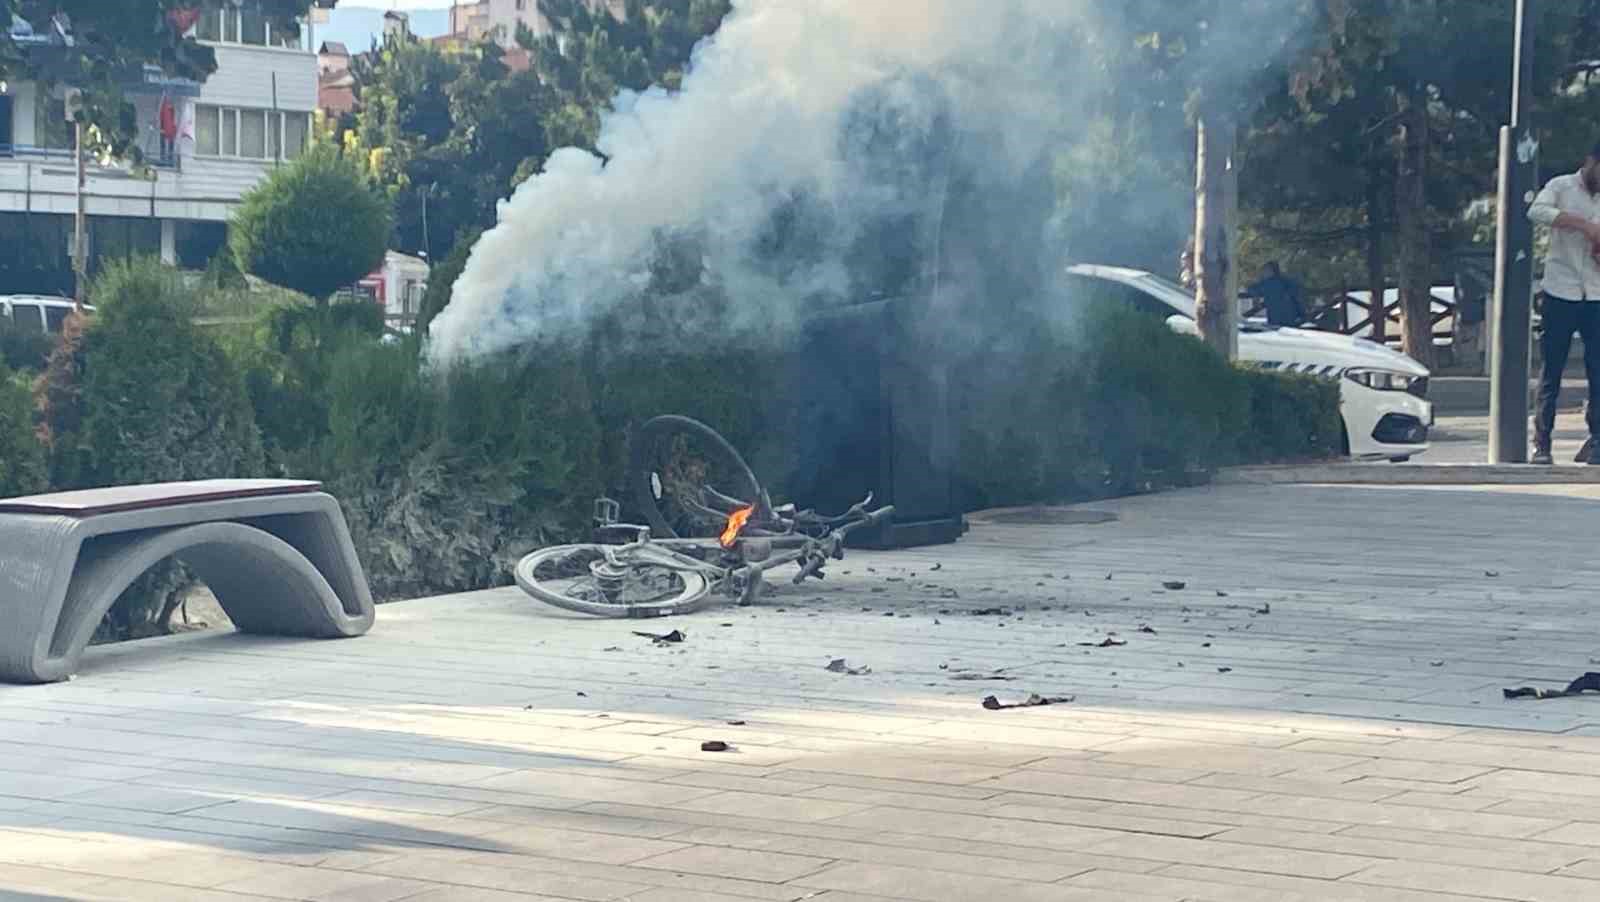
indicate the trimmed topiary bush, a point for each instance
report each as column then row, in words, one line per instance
column 314, row 225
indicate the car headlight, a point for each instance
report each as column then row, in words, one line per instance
column 1387, row 380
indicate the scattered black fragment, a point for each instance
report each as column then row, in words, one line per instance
column 583, row 695
column 937, row 567
column 1107, row 642
column 1435, row 663
column 1264, row 609
column 1224, row 670
column 990, row 612
column 714, row 745
column 1492, row 574
column 663, row 638
column 1221, row 594
column 1175, row 585
column 735, row 723
column 1147, row 628
column 1205, row 645
column 998, row 676
column 838, row 665
column 1589, row 682
column 1034, row 700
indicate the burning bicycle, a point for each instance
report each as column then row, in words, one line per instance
column 713, row 531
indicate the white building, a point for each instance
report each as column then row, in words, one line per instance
column 498, row 19
column 253, row 113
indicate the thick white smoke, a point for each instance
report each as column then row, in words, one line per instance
column 762, row 132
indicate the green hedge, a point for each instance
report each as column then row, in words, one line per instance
column 141, row 394
column 22, row 461
column 1293, row 417
column 1109, row 401
column 447, row 478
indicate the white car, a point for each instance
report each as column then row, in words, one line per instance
column 35, row 313
column 1383, row 393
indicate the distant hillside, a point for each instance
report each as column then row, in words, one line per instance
column 358, row 26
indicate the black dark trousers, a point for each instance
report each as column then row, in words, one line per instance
column 1563, row 318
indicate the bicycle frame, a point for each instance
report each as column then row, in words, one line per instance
column 754, row 555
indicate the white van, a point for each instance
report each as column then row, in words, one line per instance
column 35, row 313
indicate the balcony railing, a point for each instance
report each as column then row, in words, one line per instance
column 153, row 156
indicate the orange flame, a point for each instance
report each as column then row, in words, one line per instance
column 736, row 523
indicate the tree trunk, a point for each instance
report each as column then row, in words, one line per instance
column 1213, row 252
column 1377, row 275
column 1416, row 265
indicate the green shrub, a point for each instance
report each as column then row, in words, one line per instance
column 144, row 395
column 448, row 478
column 1109, row 401
column 1293, row 417
column 22, row 461
column 285, row 357
column 21, row 350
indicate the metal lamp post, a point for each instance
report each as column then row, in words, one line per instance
column 1513, row 270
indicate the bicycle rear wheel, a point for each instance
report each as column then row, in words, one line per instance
column 574, row 577
column 686, row 479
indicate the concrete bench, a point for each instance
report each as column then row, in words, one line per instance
column 276, row 553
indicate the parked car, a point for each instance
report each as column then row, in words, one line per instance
column 36, row 313
column 1383, row 393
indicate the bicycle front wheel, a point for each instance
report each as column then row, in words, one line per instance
column 581, row 578
column 687, row 479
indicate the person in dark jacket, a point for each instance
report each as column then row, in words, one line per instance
column 1280, row 294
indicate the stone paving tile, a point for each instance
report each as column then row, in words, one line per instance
column 1301, row 889
column 448, row 756
column 787, row 808
column 931, row 886
column 1239, row 856
column 535, row 870
column 1037, row 867
column 1484, row 882
column 1530, row 857
column 324, row 884
column 743, row 864
column 489, row 877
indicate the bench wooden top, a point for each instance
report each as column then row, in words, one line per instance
column 90, row 502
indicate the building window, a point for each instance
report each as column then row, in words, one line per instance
column 253, row 134
column 252, row 27
column 209, row 28
column 51, row 130
column 250, row 134
column 295, row 127
column 245, row 25
column 207, row 131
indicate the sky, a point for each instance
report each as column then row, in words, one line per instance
column 401, row 4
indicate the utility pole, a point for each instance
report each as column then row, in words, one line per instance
column 1513, row 265
column 80, row 255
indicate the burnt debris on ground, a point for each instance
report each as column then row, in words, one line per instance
column 1589, row 682
column 1034, row 700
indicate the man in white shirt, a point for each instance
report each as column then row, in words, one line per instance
column 1570, row 207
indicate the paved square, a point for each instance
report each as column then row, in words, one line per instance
column 1316, row 715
